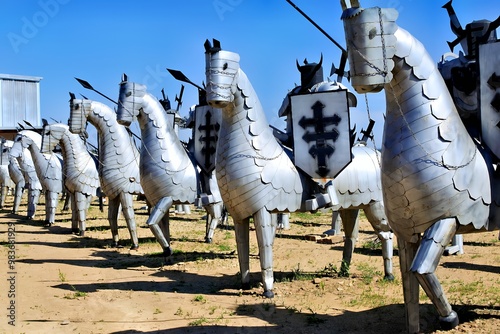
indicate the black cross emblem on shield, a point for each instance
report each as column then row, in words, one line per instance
column 321, row 150
column 209, row 136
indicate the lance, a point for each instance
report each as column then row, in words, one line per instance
column 367, row 134
column 454, row 23
column 179, row 99
column 178, row 75
column 86, row 85
column 343, row 58
column 31, row 125
column 181, row 77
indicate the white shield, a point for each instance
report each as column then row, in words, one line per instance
column 321, row 137
column 489, row 78
column 206, row 130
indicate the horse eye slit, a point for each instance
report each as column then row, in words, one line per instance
column 225, row 66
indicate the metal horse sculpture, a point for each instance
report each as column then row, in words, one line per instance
column 6, row 181
column 16, row 175
column 436, row 181
column 118, row 161
column 358, row 186
column 168, row 175
column 256, row 177
column 28, row 169
column 80, row 173
column 48, row 168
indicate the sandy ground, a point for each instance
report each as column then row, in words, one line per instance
column 62, row 283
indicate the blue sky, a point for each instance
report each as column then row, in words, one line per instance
column 99, row 40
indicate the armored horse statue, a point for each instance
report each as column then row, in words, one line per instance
column 48, row 167
column 32, row 182
column 168, row 174
column 256, row 176
column 437, row 181
column 6, row 182
column 80, row 174
column 358, row 186
column 15, row 174
column 118, row 161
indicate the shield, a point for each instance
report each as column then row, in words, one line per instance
column 321, row 136
column 489, row 78
column 206, row 129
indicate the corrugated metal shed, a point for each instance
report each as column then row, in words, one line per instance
column 19, row 101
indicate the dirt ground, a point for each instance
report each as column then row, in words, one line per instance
column 62, row 283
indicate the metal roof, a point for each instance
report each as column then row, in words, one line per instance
column 19, row 77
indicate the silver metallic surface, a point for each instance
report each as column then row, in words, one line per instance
column 6, row 182
column 205, row 122
column 489, row 72
column 48, row 167
column 118, row 166
column 432, row 171
column 206, row 127
column 255, row 176
column 20, row 99
column 168, row 175
column 321, row 136
column 17, row 177
column 81, row 179
column 27, row 165
column 358, row 186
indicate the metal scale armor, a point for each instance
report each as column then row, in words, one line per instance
column 79, row 170
column 256, row 176
column 48, row 167
column 32, row 182
column 357, row 186
column 16, row 175
column 6, row 182
column 436, row 181
column 168, row 174
column 118, row 161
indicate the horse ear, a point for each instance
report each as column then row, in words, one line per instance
column 71, row 96
column 212, row 49
column 124, row 77
column 216, row 45
column 207, row 46
column 44, row 122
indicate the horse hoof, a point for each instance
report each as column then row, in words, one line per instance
column 208, row 240
column 389, row 277
column 268, row 294
column 167, row 252
column 134, row 247
column 75, row 230
column 245, row 286
column 449, row 322
column 82, row 233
